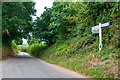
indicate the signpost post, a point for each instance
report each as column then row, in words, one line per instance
column 97, row 29
column 100, row 37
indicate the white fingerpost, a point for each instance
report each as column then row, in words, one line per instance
column 98, row 29
column 100, row 37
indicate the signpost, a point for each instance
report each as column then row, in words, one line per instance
column 97, row 29
column 100, row 37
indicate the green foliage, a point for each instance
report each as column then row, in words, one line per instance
column 16, row 21
column 42, row 29
column 35, row 49
column 33, row 40
column 62, row 50
column 66, row 20
column 13, row 44
column 23, row 48
column 19, row 42
column 107, row 62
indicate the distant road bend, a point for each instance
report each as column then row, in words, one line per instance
column 26, row 66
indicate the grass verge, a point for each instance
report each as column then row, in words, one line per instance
column 81, row 56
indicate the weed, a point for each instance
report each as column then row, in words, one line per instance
column 107, row 62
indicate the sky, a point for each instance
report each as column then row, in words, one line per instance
column 40, row 4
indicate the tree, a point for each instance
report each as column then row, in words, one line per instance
column 67, row 19
column 16, row 20
column 51, row 24
column 42, row 29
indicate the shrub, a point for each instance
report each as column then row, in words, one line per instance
column 14, row 47
column 35, row 49
column 8, row 50
column 13, row 44
column 23, row 48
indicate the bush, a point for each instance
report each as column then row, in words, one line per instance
column 23, row 48
column 13, row 44
column 35, row 49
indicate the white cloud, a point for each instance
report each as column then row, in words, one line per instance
column 40, row 4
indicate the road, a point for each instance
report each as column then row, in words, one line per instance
column 26, row 66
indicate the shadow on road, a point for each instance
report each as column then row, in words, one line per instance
column 23, row 55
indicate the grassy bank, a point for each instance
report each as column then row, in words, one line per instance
column 9, row 51
column 79, row 55
column 68, row 27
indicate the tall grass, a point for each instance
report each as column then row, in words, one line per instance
column 9, row 50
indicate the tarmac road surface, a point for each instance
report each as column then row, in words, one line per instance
column 26, row 66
